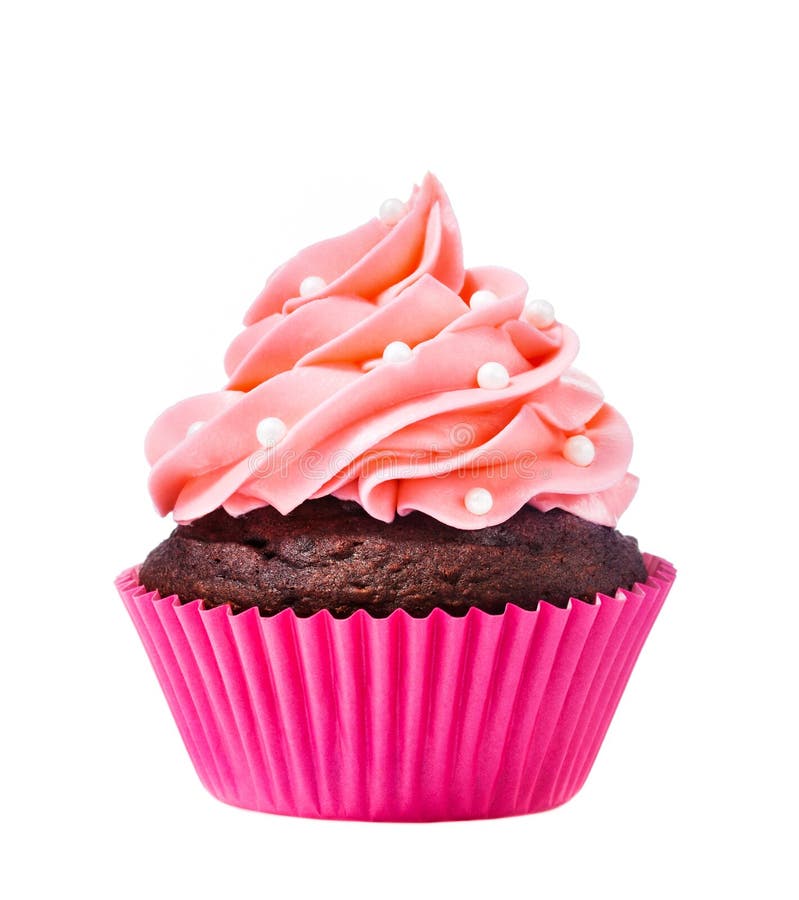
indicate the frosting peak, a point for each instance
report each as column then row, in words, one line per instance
column 367, row 371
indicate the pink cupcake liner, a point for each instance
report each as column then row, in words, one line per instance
column 396, row 719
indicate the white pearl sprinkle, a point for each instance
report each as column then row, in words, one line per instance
column 579, row 450
column 195, row 426
column 270, row 431
column 540, row 313
column 311, row 285
column 392, row 210
column 481, row 299
column 397, row 352
column 493, row 376
column 478, row 501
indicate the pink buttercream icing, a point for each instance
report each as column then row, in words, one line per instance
column 394, row 436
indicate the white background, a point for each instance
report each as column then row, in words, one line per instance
column 637, row 162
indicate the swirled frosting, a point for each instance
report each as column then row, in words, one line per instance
column 420, row 433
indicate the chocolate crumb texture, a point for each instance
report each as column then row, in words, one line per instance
column 330, row 554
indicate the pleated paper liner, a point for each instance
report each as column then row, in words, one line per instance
column 396, row 719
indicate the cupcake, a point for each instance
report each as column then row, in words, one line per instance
column 395, row 590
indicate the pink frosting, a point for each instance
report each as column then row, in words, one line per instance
column 394, row 436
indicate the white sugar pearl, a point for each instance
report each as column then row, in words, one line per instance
column 478, row 501
column 270, row 431
column 311, row 285
column 493, row 376
column 392, row 210
column 540, row 313
column 481, row 299
column 195, row 426
column 579, row 450
column 396, row 352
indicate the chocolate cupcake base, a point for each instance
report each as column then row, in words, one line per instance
column 330, row 554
